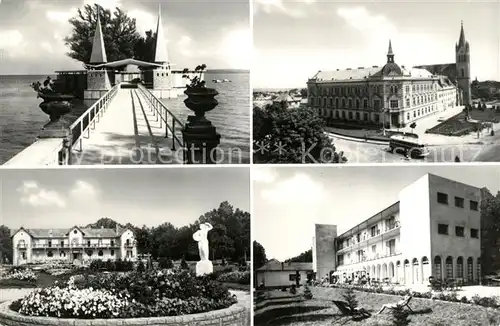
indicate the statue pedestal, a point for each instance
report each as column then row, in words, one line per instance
column 204, row 267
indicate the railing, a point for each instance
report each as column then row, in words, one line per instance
column 88, row 119
column 162, row 112
column 73, row 245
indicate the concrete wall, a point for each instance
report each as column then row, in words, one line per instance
column 451, row 244
column 279, row 278
column 162, row 78
column 98, row 80
column 236, row 315
column 325, row 255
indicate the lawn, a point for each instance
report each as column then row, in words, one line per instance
column 321, row 311
column 358, row 132
column 457, row 126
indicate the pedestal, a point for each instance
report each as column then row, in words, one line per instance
column 201, row 141
column 60, row 130
column 204, row 267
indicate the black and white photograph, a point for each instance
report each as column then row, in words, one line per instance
column 92, row 82
column 358, row 248
column 376, row 82
column 116, row 246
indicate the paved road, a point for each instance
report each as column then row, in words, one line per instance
column 362, row 152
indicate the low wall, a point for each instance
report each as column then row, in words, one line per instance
column 235, row 315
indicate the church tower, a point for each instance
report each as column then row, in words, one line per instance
column 462, row 53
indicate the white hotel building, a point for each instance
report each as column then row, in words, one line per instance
column 32, row 246
column 433, row 230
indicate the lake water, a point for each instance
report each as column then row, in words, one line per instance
column 21, row 119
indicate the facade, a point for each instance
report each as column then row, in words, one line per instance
column 392, row 95
column 278, row 274
column 32, row 246
column 442, row 216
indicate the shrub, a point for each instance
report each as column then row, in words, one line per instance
column 350, row 299
column 166, row 263
column 140, row 267
column 293, row 289
column 307, row 293
column 184, row 264
column 21, row 274
column 400, row 317
column 235, row 277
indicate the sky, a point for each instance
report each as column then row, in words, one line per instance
column 295, row 39
column 216, row 33
column 288, row 201
column 60, row 198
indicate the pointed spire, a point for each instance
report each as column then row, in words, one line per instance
column 98, row 54
column 161, row 54
column 390, row 54
column 461, row 40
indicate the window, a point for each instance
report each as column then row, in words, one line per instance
column 88, row 243
column 50, row 243
column 50, row 253
column 374, row 248
column 62, row 244
column 292, row 277
column 376, row 104
column 112, row 253
column 459, row 231
column 459, row 202
column 407, row 102
column 460, row 268
column 442, row 198
column 358, row 237
column 24, row 254
column 391, row 247
column 394, row 103
column 75, row 232
column 470, row 277
column 100, row 253
column 449, row 267
column 112, row 243
column 373, row 231
column 365, row 103
column 443, row 228
column 473, row 205
column 474, row 233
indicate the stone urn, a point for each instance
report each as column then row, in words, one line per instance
column 55, row 105
column 200, row 100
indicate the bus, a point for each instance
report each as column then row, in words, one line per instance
column 409, row 146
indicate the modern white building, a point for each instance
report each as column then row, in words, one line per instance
column 32, row 246
column 279, row 274
column 433, row 230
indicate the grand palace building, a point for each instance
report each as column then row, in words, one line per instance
column 392, row 95
column 442, row 216
column 33, row 246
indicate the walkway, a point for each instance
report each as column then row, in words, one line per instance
column 129, row 132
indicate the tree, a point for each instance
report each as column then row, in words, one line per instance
column 140, row 267
column 119, row 33
column 291, row 135
column 144, row 49
column 305, row 257
column 490, row 232
column 6, row 249
column 303, row 92
column 259, row 255
column 350, row 299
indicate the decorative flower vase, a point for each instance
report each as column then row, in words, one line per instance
column 201, row 100
column 55, row 105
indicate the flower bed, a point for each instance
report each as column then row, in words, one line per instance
column 20, row 274
column 235, row 277
column 127, row 295
column 451, row 296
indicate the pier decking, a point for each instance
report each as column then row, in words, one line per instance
column 129, row 132
column 128, row 125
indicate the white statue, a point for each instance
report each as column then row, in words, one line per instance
column 201, row 237
column 204, row 266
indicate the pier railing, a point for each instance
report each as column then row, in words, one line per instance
column 81, row 127
column 161, row 112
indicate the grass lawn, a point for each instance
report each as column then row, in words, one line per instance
column 457, row 126
column 321, row 311
column 486, row 115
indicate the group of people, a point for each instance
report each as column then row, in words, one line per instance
column 45, row 87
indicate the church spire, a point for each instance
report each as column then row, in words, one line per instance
column 461, row 40
column 98, row 54
column 390, row 54
column 161, row 55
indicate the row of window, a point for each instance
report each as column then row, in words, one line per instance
column 358, row 90
column 373, row 231
column 459, row 231
column 442, row 198
column 347, row 115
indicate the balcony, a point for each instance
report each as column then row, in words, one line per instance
column 389, row 227
column 72, row 246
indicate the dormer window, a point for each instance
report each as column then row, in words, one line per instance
column 75, row 232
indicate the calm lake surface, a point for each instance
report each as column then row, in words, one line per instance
column 21, row 119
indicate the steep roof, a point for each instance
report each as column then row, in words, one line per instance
column 98, row 54
column 388, row 70
column 124, row 62
column 62, row 233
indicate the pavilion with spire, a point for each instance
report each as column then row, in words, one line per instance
column 101, row 74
